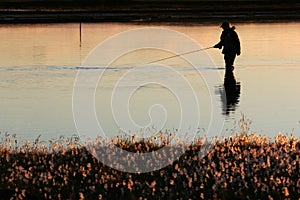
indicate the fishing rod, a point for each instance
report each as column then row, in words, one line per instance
column 189, row 52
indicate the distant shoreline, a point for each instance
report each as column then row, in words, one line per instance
column 149, row 12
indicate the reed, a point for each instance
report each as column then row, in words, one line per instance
column 242, row 166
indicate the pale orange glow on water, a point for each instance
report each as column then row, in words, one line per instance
column 25, row 45
column 37, row 73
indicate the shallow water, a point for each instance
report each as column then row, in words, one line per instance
column 39, row 63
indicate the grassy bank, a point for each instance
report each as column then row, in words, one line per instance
column 238, row 167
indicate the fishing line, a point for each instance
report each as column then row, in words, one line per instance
column 174, row 56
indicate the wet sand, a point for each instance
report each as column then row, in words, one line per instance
column 149, row 11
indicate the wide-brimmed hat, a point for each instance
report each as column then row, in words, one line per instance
column 225, row 24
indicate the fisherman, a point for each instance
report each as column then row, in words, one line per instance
column 231, row 45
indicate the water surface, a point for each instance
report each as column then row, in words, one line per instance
column 38, row 66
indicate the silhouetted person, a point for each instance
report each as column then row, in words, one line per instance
column 230, row 43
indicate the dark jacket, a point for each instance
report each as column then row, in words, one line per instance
column 230, row 42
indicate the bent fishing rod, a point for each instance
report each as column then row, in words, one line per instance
column 174, row 56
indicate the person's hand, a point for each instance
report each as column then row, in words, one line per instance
column 217, row 46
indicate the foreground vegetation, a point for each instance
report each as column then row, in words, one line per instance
column 239, row 167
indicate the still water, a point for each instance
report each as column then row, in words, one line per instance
column 39, row 64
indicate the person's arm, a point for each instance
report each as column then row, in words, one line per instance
column 238, row 44
column 220, row 44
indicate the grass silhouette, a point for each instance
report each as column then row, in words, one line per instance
column 242, row 166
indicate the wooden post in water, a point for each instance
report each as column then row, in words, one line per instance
column 79, row 34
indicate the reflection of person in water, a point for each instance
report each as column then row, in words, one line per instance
column 230, row 43
column 232, row 92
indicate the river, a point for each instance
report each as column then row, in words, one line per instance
column 39, row 64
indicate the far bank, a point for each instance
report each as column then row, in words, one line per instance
column 18, row 11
